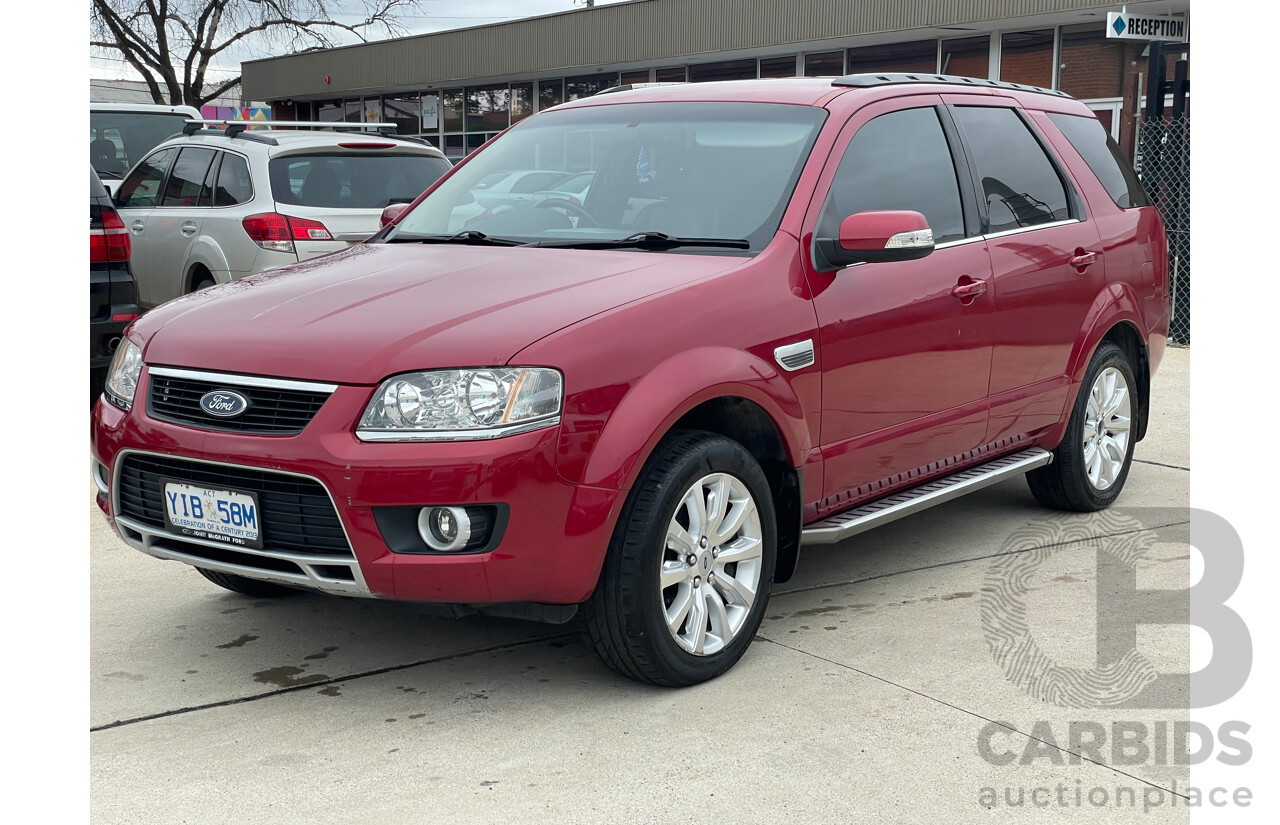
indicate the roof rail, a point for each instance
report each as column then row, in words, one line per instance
column 626, row 87
column 238, row 128
column 891, row 79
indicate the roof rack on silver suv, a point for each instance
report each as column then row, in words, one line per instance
column 239, row 128
column 892, row 79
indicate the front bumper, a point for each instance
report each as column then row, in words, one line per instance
column 551, row 550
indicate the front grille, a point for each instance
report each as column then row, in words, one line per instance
column 271, row 410
column 297, row 514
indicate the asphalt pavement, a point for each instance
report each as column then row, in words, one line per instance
column 935, row 669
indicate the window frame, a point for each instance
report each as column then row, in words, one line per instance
column 164, row 178
column 253, row 192
column 168, row 178
column 971, row 225
column 1076, row 211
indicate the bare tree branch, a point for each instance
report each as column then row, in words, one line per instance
column 172, row 44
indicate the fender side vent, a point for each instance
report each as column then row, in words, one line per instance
column 794, row 357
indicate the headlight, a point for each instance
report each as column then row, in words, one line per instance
column 448, row 405
column 122, row 378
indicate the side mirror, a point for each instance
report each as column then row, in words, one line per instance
column 878, row 237
column 392, row 212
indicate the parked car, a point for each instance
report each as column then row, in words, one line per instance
column 120, row 134
column 216, row 205
column 789, row 311
column 113, row 296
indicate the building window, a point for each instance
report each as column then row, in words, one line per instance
column 405, row 111
column 1092, row 66
column 329, row 111
column 641, row 76
column 824, row 64
column 726, row 70
column 353, row 111
column 455, row 147
column 521, row 101
column 588, row 85
column 488, row 108
column 1027, row 57
column 674, row 74
column 778, row 66
column 550, row 93
column 967, row 56
column 452, row 107
column 918, row 56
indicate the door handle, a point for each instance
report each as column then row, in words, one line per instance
column 969, row 290
column 137, row 226
column 188, row 228
column 1082, row 260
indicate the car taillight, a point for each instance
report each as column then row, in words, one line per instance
column 271, row 230
column 111, row 243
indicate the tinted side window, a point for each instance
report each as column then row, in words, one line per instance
column 1019, row 182
column 142, row 187
column 187, row 179
column 1104, row 157
column 898, row 161
column 234, row 185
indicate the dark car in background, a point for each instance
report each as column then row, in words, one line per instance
column 113, row 295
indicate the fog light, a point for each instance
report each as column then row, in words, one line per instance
column 444, row 529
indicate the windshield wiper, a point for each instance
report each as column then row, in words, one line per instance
column 647, row 240
column 469, row 237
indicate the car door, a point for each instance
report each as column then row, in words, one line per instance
column 136, row 201
column 175, row 224
column 905, row 359
column 1046, row 260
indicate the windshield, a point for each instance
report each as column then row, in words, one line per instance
column 118, row 140
column 685, row 170
column 353, row 181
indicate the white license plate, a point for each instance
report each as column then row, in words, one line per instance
column 215, row 515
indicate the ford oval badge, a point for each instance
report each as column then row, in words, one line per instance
column 224, row 403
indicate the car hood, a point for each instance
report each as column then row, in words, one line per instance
column 374, row 310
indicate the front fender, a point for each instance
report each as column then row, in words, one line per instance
column 652, row 405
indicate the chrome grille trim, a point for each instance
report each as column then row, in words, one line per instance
column 235, row 379
column 152, row 541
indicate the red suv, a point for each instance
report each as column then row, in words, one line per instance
column 786, row 311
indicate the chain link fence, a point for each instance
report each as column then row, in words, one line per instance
column 1164, row 162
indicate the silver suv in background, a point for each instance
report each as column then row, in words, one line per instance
column 120, row 134
column 212, row 205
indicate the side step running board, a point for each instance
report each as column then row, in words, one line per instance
column 891, row 508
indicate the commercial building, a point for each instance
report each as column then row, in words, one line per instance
column 459, row 88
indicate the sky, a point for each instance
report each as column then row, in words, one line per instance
column 434, row 15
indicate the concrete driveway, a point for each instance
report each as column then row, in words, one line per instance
column 871, row 692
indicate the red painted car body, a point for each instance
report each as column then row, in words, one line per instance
column 919, row 367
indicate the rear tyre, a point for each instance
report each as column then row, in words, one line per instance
column 1092, row 463
column 201, row 280
column 245, row 586
column 690, row 567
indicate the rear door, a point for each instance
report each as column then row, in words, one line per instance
column 343, row 190
column 175, row 224
column 136, row 201
column 1046, row 258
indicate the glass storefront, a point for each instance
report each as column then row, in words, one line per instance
column 460, row 120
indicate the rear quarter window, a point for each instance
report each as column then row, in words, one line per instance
column 353, row 181
column 1103, row 157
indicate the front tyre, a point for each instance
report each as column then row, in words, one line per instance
column 1091, row 464
column 690, row 567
